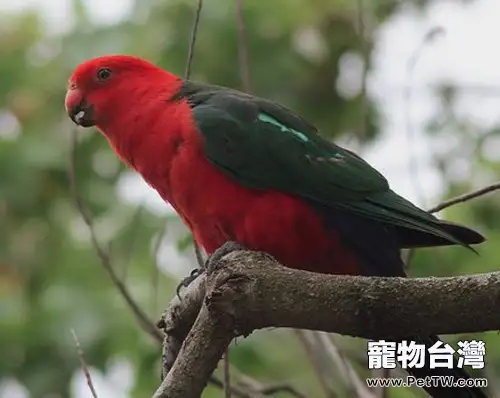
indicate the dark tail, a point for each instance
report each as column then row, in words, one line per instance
column 412, row 238
column 456, row 373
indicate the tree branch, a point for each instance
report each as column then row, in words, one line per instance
column 365, row 54
column 317, row 365
column 465, row 197
column 200, row 353
column 144, row 321
column 243, row 53
column 356, row 387
column 260, row 390
column 85, row 368
column 178, row 319
column 250, row 290
column 408, row 255
column 413, row 164
column 192, row 41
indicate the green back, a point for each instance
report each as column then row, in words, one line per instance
column 263, row 145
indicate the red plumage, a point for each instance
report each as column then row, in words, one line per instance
column 159, row 139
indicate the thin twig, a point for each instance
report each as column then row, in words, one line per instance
column 315, row 362
column 85, row 368
column 243, row 53
column 236, row 391
column 159, row 240
column 245, row 77
column 451, row 202
column 466, row 197
column 276, row 388
column 352, row 379
column 155, row 273
column 199, row 254
column 365, row 52
column 263, row 390
column 187, row 74
column 227, row 375
column 134, row 228
column 386, row 374
column 413, row 165
column 155, row 280
column 146, row 323
column 192, row 43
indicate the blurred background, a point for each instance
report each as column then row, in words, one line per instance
column 411, row 85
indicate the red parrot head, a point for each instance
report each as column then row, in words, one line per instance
column 100, row 88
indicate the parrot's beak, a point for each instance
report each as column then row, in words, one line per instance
column 79, row 110
column 81, row 114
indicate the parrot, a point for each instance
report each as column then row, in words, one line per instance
column 239, row 168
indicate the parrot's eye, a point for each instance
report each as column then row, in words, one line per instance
column 103, row 74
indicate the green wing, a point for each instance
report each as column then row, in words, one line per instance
column 264, row 145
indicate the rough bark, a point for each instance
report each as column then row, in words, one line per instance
column 246, row 291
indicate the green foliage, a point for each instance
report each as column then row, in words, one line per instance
column 50, row 277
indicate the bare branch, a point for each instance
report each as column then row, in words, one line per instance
column 227, row 374
column 85, row 368
column 262, row 390
column 365, row 52
column 316, row 363
column 243, row 53
column 382, row 392
column 236, row 391
column 249, row 290
column 451, row 202
column 187, row 74
column 134, row 228
column 344, row 367
column 156, row 266
column 411, row 64
column 465, row 197
column 281, row 387
column 106, row 261
column 178, row 319
column 198, row 254
column 198, row 357
column 192, row 42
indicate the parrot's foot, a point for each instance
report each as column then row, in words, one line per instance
column 217, row 255
column 210, row 264
column 189, row 279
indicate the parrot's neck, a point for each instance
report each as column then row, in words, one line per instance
column 144, row 118
column 150, row 133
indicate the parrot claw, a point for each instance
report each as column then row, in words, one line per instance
column 188, row 280
column 209, row 265
column 217, row 255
